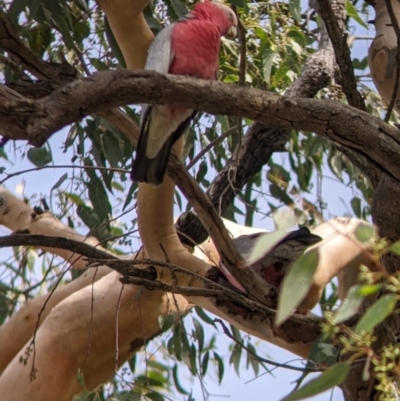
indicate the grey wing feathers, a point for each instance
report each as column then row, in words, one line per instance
column 159, row 58
column 160, row 54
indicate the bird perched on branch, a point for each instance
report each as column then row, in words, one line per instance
column 274, row 264
column 189, row 46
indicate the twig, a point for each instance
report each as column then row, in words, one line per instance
column 146, row 277
column 212, row 144
column 269, row 361
column 30, row 170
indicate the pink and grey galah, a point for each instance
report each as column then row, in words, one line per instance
column 190, row 47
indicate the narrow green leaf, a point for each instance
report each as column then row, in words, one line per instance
column 350, row 304
column 252, row 360
column 112, row 149
column 221, row 366
column 377, row 313
column 236, row 333
column 296, row 285
column 322, row 353
column 83, row 6
column 203, row 316
column 59, row 182
column 177, row 344
column 199, row 331
column 327, row 380
column 88, row 216
column 177, row 382
column 235, row 358
column 97, row 193
column 204, row 363
column 116, row 185
column 192, row 359
column 268, row 62
column 132, row 363
column 39, row 156
column 264, row 244
column 74, row 198
column 167, row 321
column 295, row 9
column 129, row 196
column 353, row 13
column 356, row 206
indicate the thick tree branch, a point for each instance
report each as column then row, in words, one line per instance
column 352, row 128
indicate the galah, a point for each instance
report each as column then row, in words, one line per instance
column 189, row 46
column 274, row 265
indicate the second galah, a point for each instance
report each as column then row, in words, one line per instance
column 189, row 46
column 275, row 263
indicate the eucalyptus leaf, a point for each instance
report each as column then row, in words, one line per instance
column 221, row 366
column 327, row 380
column 364, row 232
column 350, row 304
column 377, row 313
column 296, row 285
column 39, row 156
column 264, row 243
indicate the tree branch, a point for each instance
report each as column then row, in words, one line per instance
column 342, row 53
column 355, row 129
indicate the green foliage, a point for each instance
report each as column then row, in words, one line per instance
column 95, row 195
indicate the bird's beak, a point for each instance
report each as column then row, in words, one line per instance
column 232, row 32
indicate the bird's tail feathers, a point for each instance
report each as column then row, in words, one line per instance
column 152, row 170
column 304, row 236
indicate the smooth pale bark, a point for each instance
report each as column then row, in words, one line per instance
column 129, row 28
column 383, row 50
